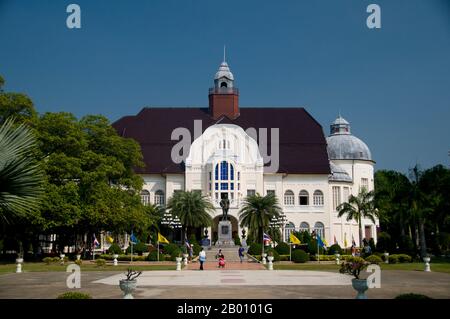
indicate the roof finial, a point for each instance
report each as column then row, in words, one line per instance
column 340, row 113
column 224, row 53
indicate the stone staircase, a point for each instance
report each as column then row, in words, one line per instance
column 230, row 253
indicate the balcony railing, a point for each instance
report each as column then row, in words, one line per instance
column 223, row 90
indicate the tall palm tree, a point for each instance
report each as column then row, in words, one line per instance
column 20, row 175
column 359, row 207
column 257, row 212
column 192, row 208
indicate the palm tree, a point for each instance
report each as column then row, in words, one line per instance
column 257, row 212
column 20, row 175
column 192, row 208
column 358, row 207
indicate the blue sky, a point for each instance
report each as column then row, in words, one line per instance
column 392, row 84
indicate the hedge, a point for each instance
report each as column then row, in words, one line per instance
column 374, row 259
column 154, row 257
column 299, row 256
column 282, row 249
column 115, row 249
column 74, row 295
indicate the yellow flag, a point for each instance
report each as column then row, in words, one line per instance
column 294, row 239
column 345, row 240
column 325, row 242
column 109, row 239
column 162, row 239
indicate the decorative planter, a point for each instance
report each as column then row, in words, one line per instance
column 19, row 262
column 386, row 258
column 264, row 258
column 337, row 258
column 78, row 257
column 128, row 286
column 185, row 256
column 62, row 258
column 115, row 256
column 360, row 285
column 427, row 263
column 178, row 259
column 270, row 259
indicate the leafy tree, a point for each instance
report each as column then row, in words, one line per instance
column 358, row 207
column 15, row 105
column 257, row 212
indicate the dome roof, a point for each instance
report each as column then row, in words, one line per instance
column 342, row 145
column 224, row 71
column 338, row 174
column 346, row 146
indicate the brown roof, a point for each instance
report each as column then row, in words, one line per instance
column 303, row 147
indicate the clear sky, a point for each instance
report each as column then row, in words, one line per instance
column 391, row 84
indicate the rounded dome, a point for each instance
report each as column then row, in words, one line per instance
column 338, row 174
column 224, row 71
column 346, row 146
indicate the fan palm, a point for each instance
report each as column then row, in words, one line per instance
column 257, row 212
column 192, row 208
column 359, row 207
column 20, row 175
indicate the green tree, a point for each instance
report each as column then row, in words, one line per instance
column 358, row 207
column 191, row 208
column 15, row 105
column 256, row 214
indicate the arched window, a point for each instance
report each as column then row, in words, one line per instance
column 318, row 198
column 223, row 171
column 288, row 229
column 224, row 174
column 223, row 85
column 289, row 198
column 303, row 198
column 145, row 197
column 319, row 228
column 159, row 197
column 304, row 226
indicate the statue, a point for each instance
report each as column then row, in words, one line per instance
column 225, row 204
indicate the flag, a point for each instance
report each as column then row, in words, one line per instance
column 345, row 240
column 325, row 242
column 109, row 239
column 96, row 243
column 353, row 241
column 335, row 241
column 266, row 237
column 293, row 239
column 133, row 239
column 162, row 239
column 319, row 241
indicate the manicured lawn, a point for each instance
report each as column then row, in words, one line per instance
column 36, row 267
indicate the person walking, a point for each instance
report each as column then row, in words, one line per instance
column 202, row 258
column 241, row 253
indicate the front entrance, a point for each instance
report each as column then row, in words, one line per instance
column 215, row 224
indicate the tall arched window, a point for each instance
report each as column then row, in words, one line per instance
column 288, row 229
column 145, row 197
column 303, row 198
column 224, row 181
column 304, row 226
column 318, row 198
column 159, row 197
column 319, row 228
column 289, row 198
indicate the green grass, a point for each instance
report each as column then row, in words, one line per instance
column 42, row 267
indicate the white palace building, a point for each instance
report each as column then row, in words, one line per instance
column 232, row 151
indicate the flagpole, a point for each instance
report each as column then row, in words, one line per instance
column 157, row 247
column 290, row 251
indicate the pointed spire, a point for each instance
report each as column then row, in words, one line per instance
column 224, row 53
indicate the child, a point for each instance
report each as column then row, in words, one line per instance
column 221, row 262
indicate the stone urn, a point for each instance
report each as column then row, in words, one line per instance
column 19, row 262
column 178, row 260
column 427, row 263
column 78, row 256
column 337, row 258
column 127, row 286
column 185, row 257
column 62, row 256
column 264, row 258
column 386, row 258
column 360, row 285
column 270, row 264
column 115, row 256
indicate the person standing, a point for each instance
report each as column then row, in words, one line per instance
column 202, row 258
column 241, row 253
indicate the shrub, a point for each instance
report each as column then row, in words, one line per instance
column 115, row 249
column 100, row 262
column 57, row 259
column 139, row 249
column 322, row 257
column 282, row 249
column 374, row 259
column 403, row 258
column 412, row 296
column 48, row 260
column 175, row 253
column 312, row 247
column 255, row 249
column 299, row 256
column 154, row 257
column 197, row 249
column 78, row 262
column 237, row 241
column 169, row 248
column 384, row 242
column 74, row 295
column 393, row 259
column 335, row 249
column 284, row 257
